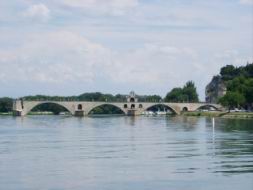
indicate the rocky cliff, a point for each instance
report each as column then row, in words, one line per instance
column 215, row 89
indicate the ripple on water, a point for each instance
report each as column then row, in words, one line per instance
column 48, row 152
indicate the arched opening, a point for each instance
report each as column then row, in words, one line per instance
column 125, row 106
column 132, row 100
column 132, row 106
column 206, row 108
column 140, row 106
column 159, row 109
column 49, row 109
column 106, row 109
column 185, row 109
column 79, row 107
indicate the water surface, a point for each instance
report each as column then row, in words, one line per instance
column 126, row 153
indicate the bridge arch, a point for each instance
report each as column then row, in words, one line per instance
column 79, row 107
column 185, row 109
column 207, row 106
column 31, row 106
column 107, row 104
column 161, row 104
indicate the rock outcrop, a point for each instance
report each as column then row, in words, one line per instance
column 215, row 89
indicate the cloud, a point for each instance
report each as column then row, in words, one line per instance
column 110, row 7
column 54, row 57
column 246, row 2
column 38, row 11
column 154, row 65
column 150, row 46
column 64, row 57
column 69, row 59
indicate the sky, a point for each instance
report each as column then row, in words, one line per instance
column 68, row 47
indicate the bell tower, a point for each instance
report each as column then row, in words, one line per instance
column 132, row 101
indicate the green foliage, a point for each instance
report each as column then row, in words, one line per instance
column 150, row 98
column 6, row 104
column 232, row 100
column 191, row 92
column 230, row 72
column 48, row 98
column 120, row 98
column 239, row 82
column 175, row 95
column 96, row 96
column 186, row 94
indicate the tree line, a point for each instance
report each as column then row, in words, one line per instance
column 186, row 94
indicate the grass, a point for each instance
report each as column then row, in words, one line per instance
column 40, row 113
column 221, row 114
column 5, row 113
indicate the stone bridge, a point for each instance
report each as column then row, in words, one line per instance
column 131, row 107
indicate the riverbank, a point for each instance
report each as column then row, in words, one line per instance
column 30, row 113
column 242, row 115
column 239, row 115
column 6, row 113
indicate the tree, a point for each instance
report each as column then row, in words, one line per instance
column 249, row 70
column 228, row 72
column 186, row 94
column 6, row 104
column 232, row 100
column 175, row 95
column 191, row 92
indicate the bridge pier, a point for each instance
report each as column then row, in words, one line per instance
column 17, row 113
column 17, row 107
column 133, row 112
column 79, row 113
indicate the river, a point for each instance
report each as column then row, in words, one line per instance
column 125, row 153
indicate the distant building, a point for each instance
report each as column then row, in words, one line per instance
column 215, row 89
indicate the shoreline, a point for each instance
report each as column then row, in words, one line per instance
column 235, row 115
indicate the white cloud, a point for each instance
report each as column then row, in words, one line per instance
column 246, row 2
column 158, row 44
column 38, row 11
column 154, row 65
column 55, row 57
column 62, row 57
column 111, row 7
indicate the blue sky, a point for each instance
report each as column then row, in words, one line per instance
column 67, row 47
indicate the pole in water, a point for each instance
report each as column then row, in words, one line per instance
column 213, row 124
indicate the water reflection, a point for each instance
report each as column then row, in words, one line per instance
column 182, row 123
column 57, row 152
column 233, row 146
